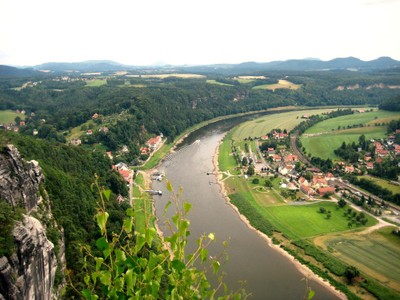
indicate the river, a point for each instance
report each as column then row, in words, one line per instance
column 267, row 273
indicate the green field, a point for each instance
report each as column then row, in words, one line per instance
column 263, row 125
column 354, row 119
column 395, row 189
column 305, row 221
column 8, row 116
column 212, row 81
column 96, row 82
column 326, row 136
column 377, row 255
column 282, row 84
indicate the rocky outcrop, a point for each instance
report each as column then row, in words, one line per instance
column 19, row 180
column 29, row 272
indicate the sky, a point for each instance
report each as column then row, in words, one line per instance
column 196, row 32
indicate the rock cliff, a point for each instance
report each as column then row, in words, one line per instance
column 28, row 273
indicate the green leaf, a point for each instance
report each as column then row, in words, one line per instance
column 211, row 236
column 105, row 278
column 203, row 254
column 187, row 207
column 178, row 265
column 99, row 262
column 311, row 294
column 169, row 186
column 120, row 256
column 167, row 205
column 128, row 225
column 107, row 194
column 216, row 266
column 102, row 220
column 130, row 212
column 102, row 243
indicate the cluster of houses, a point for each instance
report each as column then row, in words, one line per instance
column 320, row 184
column 382, row 150
column 16, row 127
column 151, row 145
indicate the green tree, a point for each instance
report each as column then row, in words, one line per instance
column 351, row 273
column 250, row 170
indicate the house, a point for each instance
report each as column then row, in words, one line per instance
column 89, row 132
column 104, row 129
column 382, row 152
column 16, row 129
column 125, row 149
column 264, row 137
column 322, row 191
column 369, row 165
column 109, row 154
column 120, row 199
column 276, row 158
column 349, row 169
column 121, row 166
column 318, row 181
column 126, row 174
column 329, row 177
column 35, row 132
column 397, row 149
column 291, row 158
column 307, row 190
column 271, row 151
column 378, row 146
column 144, row 150
column 76, row 142
column 95, row 116
column 303, row 181
column 153, row 143
column 22, row 123
column 279, row 135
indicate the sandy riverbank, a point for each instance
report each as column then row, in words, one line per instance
column 302, row 268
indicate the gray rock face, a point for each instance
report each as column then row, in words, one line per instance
column 19, row 180
column 29, row 273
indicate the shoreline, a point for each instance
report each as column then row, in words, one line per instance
column 300, row 267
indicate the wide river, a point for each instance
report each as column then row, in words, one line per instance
column 266, row 273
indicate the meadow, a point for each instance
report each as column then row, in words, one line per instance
column 395, row 189
column 263, row 125
column 324, row 137
column 282, row 84
column 376, row 254
column 96, row 82
column 8, row 116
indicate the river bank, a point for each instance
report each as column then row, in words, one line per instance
column 309, row 275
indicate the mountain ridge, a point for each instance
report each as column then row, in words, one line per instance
column 308, row 64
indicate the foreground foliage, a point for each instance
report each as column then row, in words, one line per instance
column 135, row 264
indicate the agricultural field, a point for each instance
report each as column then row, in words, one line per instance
column 282, row 84
column 96, row 82
column 263, row 125
column 377, row 254
column 8, row 116
column 305, row 221
column 395, row 189
column 212, row 81
column 178, row 75
column 248, row 79
column 326, row 136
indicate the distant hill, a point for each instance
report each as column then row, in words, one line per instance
column 304, row 65
column 85, row 66
column 7, row 71
column 309, row 64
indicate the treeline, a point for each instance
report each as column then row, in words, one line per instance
column 69, row 173
column 391, row 104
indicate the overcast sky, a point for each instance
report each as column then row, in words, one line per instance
column 196, row 32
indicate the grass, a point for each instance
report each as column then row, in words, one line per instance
column 323, row 145
column 305, row 221
column 377, row 254
column 395, row 189
column 282, row 84
column 212, row 81
column 96, row 82
column 368, row 118
column 263, row 125
column 8, row 116
column 324, row 137
column 179, row 75
column 226, row 162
